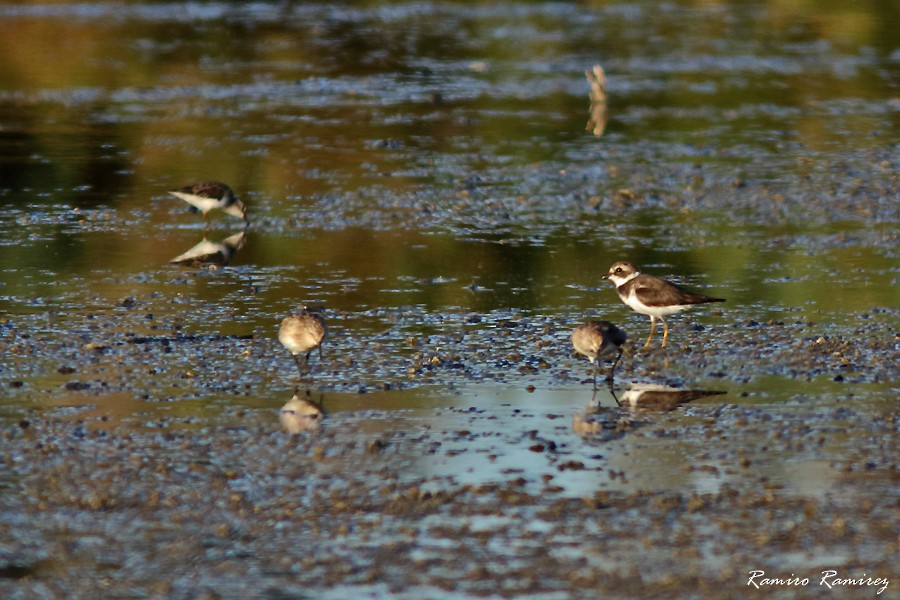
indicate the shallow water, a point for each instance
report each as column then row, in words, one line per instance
column 423, row 172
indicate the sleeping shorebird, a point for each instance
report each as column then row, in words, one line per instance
column 301, row 334
column 212, row 195
column 652, row 296
column 596, row 340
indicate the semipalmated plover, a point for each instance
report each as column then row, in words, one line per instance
column 652, row 296
column 301, row 334
column 596, row 340
column 212, row 195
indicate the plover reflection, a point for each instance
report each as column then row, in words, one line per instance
column 648, row 397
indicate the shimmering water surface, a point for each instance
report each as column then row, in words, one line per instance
column 423, row 171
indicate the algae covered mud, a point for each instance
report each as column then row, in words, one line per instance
column 424, row 173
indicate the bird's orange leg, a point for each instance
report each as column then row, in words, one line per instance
column 652, row 330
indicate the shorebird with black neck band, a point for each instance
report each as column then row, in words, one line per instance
column 652, row 296
column 212, row 195
column 596, row 340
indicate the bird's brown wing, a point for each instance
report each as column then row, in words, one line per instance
column 653, row 291
column 207, row 189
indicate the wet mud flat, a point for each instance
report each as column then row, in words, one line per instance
column 142, row 455
column 144, row 458
column 143, row 348
column 466, row 493
column 463, row 453
column 375, row 503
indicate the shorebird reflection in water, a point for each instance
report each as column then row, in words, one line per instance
column 301, row 334
column 597, row 80
column 648, row 397
column 212, row 195
column 596, row 340
column 208, row 253
column 301, row 414
column 597, row 419
column 652, row 296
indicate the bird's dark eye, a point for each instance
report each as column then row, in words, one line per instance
column 618, row 269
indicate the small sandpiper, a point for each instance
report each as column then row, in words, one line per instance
column 301, row 334
column 596, row 340
column 652, row 296
column 212, row 195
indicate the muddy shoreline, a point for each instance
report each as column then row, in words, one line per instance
column 239, row 508
column 435, row 501
column 165, row 362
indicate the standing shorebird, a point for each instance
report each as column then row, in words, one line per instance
column 652, row 296
column 212, row 195
column 596, row 340
column 301, row 334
